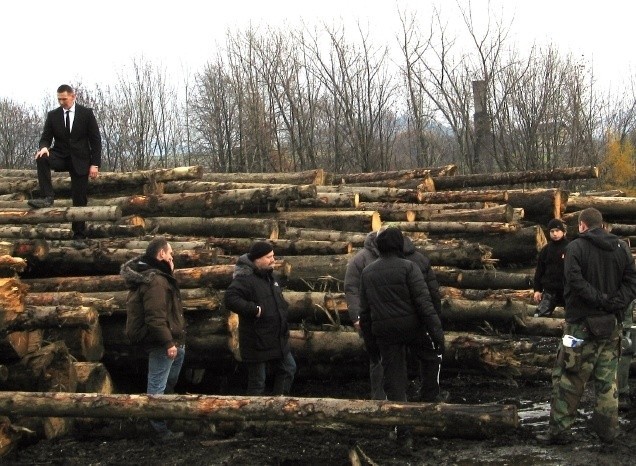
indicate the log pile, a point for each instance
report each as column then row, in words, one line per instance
column 316, row 222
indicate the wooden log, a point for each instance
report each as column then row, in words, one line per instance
column 310, row 234
column 346, row 178
column 16, row 345
column 9, row 436
column 328, row 201
column 215, row 276
column 35, row 232
column 27, row 248
column 207, row 204
column 332, row 220
column 35, row 317
column 12, row 293
column 608, row 193
column 512, row 178
column 456, row 253
column 106, row 230
column 49, row 369
column 218, row 227
column 373, row 194
column 520, row 247
column 610, row 207
column 317, row 273
column 440, row 227
column 444, row 419
column 525, row 296
column 54, row 214
column 424, row 183
column 84, row 344
column 316, row 177
column 539, row 205
column 283, row 247
column 483, row 279
column 114, row 302
column 10, row 265
column 93, row 377
column 201, row 186
column 444, row 197
column 17, row 185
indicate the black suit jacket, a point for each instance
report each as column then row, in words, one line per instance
column 83, row 146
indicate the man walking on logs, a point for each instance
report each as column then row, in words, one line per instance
column 600, row 281
column 257, row 298
column 77, row 149
column 396, row 315
column 155, row 321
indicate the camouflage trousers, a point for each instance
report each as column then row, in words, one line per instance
column 627, row 352
column 595, row 359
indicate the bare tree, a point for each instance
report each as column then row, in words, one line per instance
column 20, row 130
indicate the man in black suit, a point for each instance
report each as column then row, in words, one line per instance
column 70, row 142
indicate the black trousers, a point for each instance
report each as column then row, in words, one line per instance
column 79, row 184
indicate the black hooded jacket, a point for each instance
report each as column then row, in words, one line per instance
column 261, row 338
column 549, row 273
column 600, row 275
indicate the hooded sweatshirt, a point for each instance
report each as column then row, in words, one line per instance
column 598, row 266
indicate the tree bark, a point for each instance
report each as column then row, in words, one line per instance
column 10, row 265
column 483, row 279
column 622, row 208
column 445, row 197
column 456, row 253
column 440, row 227
column 219, row 227
column 55, row 215
column 346, row 178
column 373, row 194
column 520, row 248
column 316, row 177
column 35, row 317
column 332, row 220
column 84, row 344
column 317, row 273
column 283, row 247
column 328, row 201
column 539, row 205
column 355, row 238
column 35, row 232
column 93, row 377
column 511, row 178
column 473, row 421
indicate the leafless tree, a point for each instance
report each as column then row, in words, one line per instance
column 20, row 130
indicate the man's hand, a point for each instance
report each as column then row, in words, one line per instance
column 171, row 352
column 44, row 152
column 537, row 296
column 93, row 171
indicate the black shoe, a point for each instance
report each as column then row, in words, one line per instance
column 41, row 202
column 562, row 438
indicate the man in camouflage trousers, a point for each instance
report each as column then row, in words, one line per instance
column 600, row 281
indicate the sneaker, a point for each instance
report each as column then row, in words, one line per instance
column 550, row 438
column 40, row 202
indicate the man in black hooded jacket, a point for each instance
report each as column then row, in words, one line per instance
column 397, row 315
column 600, row 281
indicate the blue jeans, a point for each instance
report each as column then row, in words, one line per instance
column 284, row 370
column 163, row 374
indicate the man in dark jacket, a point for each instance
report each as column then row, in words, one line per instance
column 155, row 320
column 600, row 281
column 256, row 297
column 396, row 315
column 430, row 365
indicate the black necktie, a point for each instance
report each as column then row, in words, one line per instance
column 67, row 120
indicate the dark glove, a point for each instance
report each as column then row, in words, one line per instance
column 613, row 304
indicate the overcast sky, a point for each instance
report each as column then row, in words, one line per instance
column 48, row 42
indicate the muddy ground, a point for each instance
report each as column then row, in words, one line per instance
column 129, row 443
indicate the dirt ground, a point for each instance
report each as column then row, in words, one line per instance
column 129, row 442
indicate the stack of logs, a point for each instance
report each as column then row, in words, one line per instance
column 61, row 305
